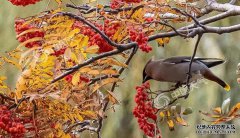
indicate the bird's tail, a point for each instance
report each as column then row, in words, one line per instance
column 224, row 85
column 209, row 75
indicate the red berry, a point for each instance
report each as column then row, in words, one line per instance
column 21, row 27
column 23, row 2
column 144, row 110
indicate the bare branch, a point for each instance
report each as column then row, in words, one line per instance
column 86, row 9
column 82, row 124
column 232, row 1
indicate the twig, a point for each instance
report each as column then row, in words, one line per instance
column 87, row 62
column 190, row 64
column 86, row 9
column 6, row 97
column 82, row 124
column 114, row 86
column 82, row 19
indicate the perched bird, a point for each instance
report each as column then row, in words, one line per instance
column 175, row 69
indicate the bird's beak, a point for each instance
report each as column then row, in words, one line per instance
column 227, row 87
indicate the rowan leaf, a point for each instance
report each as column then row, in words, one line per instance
column 11, row 62
column 112, row 98
column 181, row 121
column 109, row 72
column 105, row 82
column 90, row 114
column 112, row 61
column 234, row 109
column 170, row 125
column 76, row 78
column 217, row 110
column 35, row 39
column 92, row 49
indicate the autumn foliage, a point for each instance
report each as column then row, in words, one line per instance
column 71, row 62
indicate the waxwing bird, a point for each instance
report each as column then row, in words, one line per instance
column 175, row 70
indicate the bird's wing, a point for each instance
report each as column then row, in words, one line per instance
column 209, row 62
column 177, row 60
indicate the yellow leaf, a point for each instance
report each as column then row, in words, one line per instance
column 90, row 114
column 112, row 61
column 76, row 78
column 170, row 125
column 26, row 54
column 67, row 54
column 90, row 1
column 112, row 98
column 217, row 110
column 66, row 136
column 120, row 34
column 83, row 42
column 105, row 82
column 109, row 72
column 2, row 86
column 162, row 41
column 29, row 31
column 166, row 39
column 79, row 117
column 93, row 72
column 11, row 62
column 138, row 15
column 92, row 49
column 162, row 114
column 2, row 78
column 35, row 39
column 234, row 110
column 59, row 1
column 85, row 69
column 181, row 121
column 100, row 6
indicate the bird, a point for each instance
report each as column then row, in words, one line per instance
column 176, row 69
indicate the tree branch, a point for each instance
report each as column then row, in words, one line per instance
column 82, row 19
column 86, row 9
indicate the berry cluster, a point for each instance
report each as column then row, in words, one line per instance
column 84, row 79
column 119, row 3
column 21, row 27
column 59, row 52
column 141, row 39
column 95, row 38
column 68, row 78
column 149, row 19
column 132, row 1
column 116, row 4
column 144, row 110
column 10, row 124
column 23, row 2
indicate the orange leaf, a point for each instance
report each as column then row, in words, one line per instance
column 112, row 61
column 109, row 72
column 90, row 114
column 76, row 78
column 92, row 49
column 217, row 110
column 234, row 110
column 170, row 125
column 112, row 98
column 181, row 121
column 105, row 82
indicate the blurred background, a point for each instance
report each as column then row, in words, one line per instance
column 120, row 123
